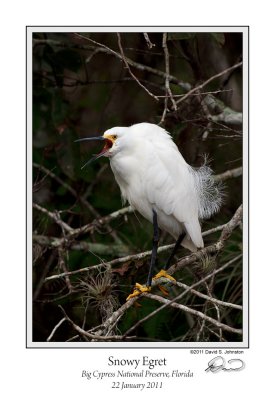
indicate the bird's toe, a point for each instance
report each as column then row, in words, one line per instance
column 163, row 274
column 138, row 289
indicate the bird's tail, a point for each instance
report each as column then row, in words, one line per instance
column 188, row 244
column 193, row 238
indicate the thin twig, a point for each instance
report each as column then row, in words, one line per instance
column 197, row 94
column 89, row 189
column 167, row 70
column 232, row 173
column 206, row 297
column 129, row 69
column 44, row 272
column 194, row 312
column 68, row 187
column 209, row 289
column 82, row 199
column 105, row 49
column 97, row 248
column 54, row 216
column 148, row 41
column 55, row 329
column 90, row 336
column 89, row 228
column 63, row 267
column 197, row 88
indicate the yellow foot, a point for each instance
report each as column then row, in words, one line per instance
column 138, row 289
column 163, row 274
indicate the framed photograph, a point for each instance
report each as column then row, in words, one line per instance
column 137, row 190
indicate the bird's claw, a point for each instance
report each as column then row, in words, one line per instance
column 163, row 274
column 138, row 289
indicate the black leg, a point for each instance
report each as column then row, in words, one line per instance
column 177, row 245
column 154, row 249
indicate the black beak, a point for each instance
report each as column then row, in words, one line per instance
column 90, row 138
column 104, row 150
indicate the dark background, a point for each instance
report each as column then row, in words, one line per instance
column 80, row 88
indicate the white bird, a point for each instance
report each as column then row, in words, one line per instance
column 157, row 182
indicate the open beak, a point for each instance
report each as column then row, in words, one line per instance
column 106, row 148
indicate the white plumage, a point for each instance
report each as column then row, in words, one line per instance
column 152, row 174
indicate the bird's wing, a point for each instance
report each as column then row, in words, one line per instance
column 170, row 186
column 169, row 183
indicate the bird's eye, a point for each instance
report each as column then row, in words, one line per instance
column 114, row 137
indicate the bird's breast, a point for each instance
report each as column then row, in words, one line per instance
column 130, row 176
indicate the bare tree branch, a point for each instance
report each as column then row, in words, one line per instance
column 232, row 173
column 78, row 197
column 167, row 70
column 168, row 93
column 68, row 187
column 55, row 329
column 199, row 87
column 105, row 49
column 54, row 216
column 204, row 296
column 194, row 312
column 148, row 41
column 72, row 233
column 129, row 69
column 227, row 230
column 130, row 302
column 96, row 248
column 88, row 336
column 140, row 256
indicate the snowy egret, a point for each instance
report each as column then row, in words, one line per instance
column 156, row 180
